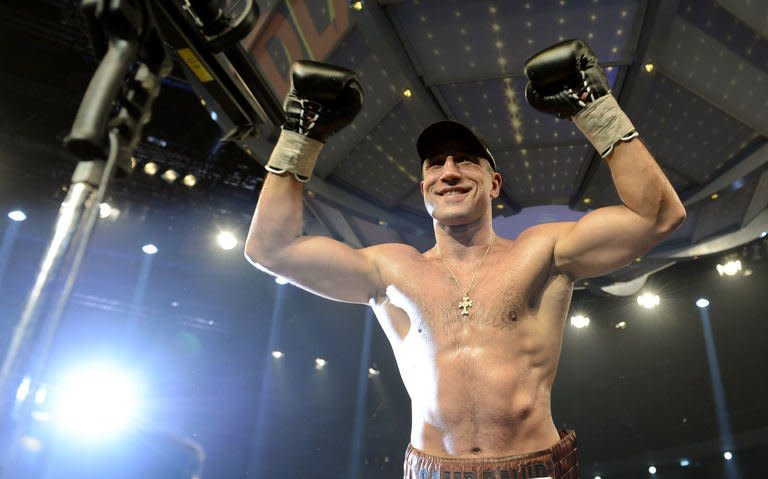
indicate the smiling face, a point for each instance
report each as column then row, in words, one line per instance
column 458, row 188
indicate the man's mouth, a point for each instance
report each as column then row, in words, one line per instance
column 453, row 191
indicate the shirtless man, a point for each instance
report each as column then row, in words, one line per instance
column 476, row 322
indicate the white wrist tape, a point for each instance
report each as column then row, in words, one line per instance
column 604, row 123
column 294, row 153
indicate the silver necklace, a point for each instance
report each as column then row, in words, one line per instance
column 466, row 302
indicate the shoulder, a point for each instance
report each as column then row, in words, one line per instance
column 388, row 255
column 547, row 231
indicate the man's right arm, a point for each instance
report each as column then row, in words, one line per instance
column 318, row 264
column 322, row 100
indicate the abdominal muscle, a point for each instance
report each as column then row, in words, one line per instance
column 484, row 400
column 479, row 386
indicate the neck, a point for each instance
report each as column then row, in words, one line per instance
column 463, row 241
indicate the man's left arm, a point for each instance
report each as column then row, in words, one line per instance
column 609, row 238
column 566, row 80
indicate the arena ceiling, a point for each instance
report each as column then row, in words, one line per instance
column 692, row 75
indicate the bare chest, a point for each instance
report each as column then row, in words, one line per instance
column 434, row 302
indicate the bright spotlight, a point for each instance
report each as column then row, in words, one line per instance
column 149, row 248
column 277, row 354
column 226, row 240
column 150, row 168
column 685, row 463
column 620, row 325
column 764, row 234
column 598, row 477
column 280, row 280
column 579, row 321
column 96, row 401
column 648, row 300
column 169, row 176
column 189, row 180
column 730, row 268
column 728, row 455
column 320, row 363
column 104, row 210
column 702, row 302
column 17, row 215
column 23, row 390
column 652, row 469
column 373, row 372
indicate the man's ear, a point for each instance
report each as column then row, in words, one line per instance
column 421, row 186
column 496, row 182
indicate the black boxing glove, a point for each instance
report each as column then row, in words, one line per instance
column 566, row 80
column 322, row 100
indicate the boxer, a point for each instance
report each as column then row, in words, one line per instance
column 475, row 322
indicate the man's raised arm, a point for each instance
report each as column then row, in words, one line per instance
column 566, row 80
column 322, row 100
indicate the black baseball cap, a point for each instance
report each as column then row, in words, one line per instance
column 447, row 135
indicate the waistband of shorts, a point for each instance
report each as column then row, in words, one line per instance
column 558, row 461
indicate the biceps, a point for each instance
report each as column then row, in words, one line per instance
column 603, row 241
column 328, row 268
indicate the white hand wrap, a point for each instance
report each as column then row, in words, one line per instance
column 294, row 153
column 604, row 123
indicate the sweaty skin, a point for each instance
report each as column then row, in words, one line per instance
column 480, row 386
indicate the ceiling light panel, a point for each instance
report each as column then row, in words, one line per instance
column 682, row 128
column 385, row 165
column 459, row 40
column 543, row 175
column 726, row 213
column 706, row 65
column 718, row 19
column 380, row 91
column 498, row 111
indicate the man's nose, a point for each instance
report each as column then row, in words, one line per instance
column 450, row 168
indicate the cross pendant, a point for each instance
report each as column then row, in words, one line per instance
column 465, row 304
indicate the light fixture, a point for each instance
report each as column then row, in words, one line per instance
column 714, row 196
column 702, row 302
column 649, row 67
column 764, row 234
column 320, row 363
column 280, row 280
column 587, row 200
column 407, row 93
column 170, row 175
column 149, row 248
column 648, row 300
column 652, row 469
column 104, row 210
column 357, row 5
column 189, row 180
column 94, row 401
column 685, row 463
column 373, row 372
column 730, row 268
column 277, row 354
column 214, row 115
column 579, row 321
column 226, row 240
column 150, row 168
column 23, row 390
column 728, row 455
column 621, row 325
column 17, row 215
